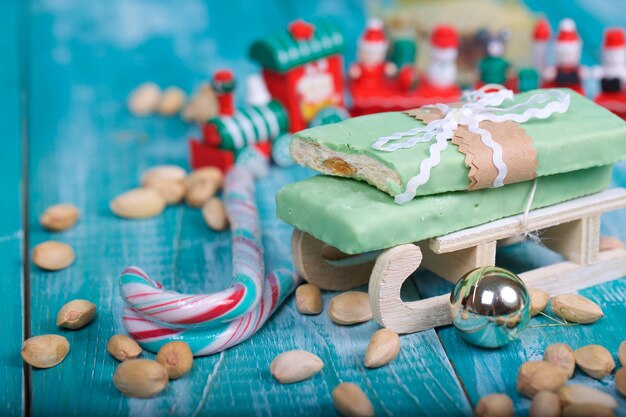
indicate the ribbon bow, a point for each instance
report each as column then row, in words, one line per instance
column 480, row 105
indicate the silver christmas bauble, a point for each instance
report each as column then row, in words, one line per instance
column 490, row 306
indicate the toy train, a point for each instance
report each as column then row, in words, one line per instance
column 302, row 82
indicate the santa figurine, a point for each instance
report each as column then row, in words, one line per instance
column 567, row 72
column 444, row 48
column 372, row 68
column 541, row 36
column 612, row 73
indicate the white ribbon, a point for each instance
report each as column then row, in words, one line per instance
column 480, row 105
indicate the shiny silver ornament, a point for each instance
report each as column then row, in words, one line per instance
column 490, row 306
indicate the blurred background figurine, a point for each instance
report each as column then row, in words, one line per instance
column 612, row 72
column 541, row 37
column 444, row 48
column 372, row 67
column 567, row 71
column 493, row 67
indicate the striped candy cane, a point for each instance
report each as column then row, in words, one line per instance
column 148, row 299
column 151, row 336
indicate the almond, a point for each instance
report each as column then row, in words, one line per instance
column 309, row 299
column 141, row 378
column 176, row 358
column 171, row 101
column 45, row 351
column 200, row 192
column 139, row 203
column 122, row 347
column 214, row 214
column 383, row 347
column 561, row 355
column 495, row 405
column 587, row 410
column 582, row 394
column 172, row 191
column 545, row 404
column 595, row 360
column 538, row 301
column 610, row 243
column 620, row 381
column 202, row 106
column 295, row 366
column 350, row 307
column 351, row 401
column 164, row 172
column 144, row 99
column 576, row 309
column 207, row 174
column 53, row 256
column 535, row 376
column 621, row 353
column 59, row 217
column 76, row 314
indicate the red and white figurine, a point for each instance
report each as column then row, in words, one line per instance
column 567, row 71
column 612, row 72
column 541, row 37
column 444, row 49
column 371, row 68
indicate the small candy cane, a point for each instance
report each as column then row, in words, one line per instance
column 151, row 336
column 149, row 300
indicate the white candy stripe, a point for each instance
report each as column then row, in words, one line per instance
column 246, row 127
column 258, row 122
column 234, row 131
column 270, row 119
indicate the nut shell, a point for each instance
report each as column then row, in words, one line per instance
column 45, row 351
column 561, row 355
column 576, row 309
column 309, row 299
column 351, row 401
column 384, row 346
column 535, row 376
column 595, row 360
column 139, row 203
column 176, row 357
column 53, row 256
column 140, row 378
column 76, row 314
column 350, row 307
column 295, row 366
column 59, row 217
column 495, row 405
column 122, row 347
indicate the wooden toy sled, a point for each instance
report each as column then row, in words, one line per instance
column 571, row 229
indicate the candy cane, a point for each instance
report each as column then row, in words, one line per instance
column 151, row 336
column 149, row 300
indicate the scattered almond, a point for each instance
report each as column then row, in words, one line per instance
column 144, row 99
column 200, row 192
column 206, row 174
column 351, row 401
column 45, row 351
column 495, row 405
column 582, row 394
column 383, row 347
column 76, row 314
column 620, row 381
column 53, row 256
column 172, row 100
column 561, row 355
column 610, row 243
column 59, row 217
column 309, row 299
column 202, row 106
column 176, row 357
column 576, row 309
column 587, row 410
column 295, row 366
column 538, row 301
column 139, row 203
column 141, row 378
column 172, row 191
column 545, row 404
column 595, row 360
column 122, row 347
column 535, row 376
column 351, row 307
column 164, row 172
column 621, row 353
column 214, row 214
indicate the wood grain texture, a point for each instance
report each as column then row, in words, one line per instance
column 11, row 230
column 85, row 149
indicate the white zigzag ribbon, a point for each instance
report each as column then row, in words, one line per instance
column 480, row 105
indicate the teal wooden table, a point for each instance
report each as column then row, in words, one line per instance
column 68, row 66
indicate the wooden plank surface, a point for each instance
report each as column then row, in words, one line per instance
column 11, row 230
column 85, row 148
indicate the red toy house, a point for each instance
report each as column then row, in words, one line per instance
column 303, row 70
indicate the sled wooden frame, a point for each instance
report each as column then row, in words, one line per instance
column 571, row 228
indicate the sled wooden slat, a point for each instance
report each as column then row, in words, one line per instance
column 537, row 220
